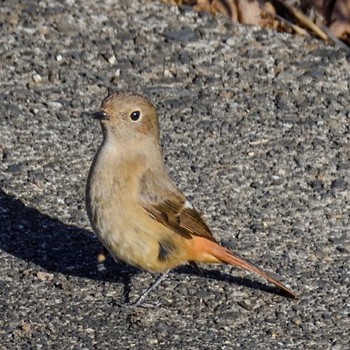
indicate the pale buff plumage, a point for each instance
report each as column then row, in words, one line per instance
column 134, row 207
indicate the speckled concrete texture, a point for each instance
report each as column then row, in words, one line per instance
column 255, row 130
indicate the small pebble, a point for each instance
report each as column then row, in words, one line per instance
column 26, row 327
column 112, row 60
column 45, row 276
column 37, row 78
column 168, row 74
column 297, row 320
column 246, row 304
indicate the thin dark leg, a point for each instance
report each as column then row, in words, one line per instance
column 140, row 300
column 196, row 267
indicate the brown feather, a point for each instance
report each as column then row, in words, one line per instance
column 168, row 205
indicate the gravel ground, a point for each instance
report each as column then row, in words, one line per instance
column 255, row 130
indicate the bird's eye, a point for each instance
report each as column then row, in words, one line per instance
column 135, row 116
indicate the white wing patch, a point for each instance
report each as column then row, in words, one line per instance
column 188, row 205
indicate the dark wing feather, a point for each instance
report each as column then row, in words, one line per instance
column 169, row 206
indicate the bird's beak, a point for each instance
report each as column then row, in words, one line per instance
column 100, row 115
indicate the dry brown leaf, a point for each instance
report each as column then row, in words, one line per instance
column 284, row 14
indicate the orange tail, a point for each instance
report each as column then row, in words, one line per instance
column 225, row 256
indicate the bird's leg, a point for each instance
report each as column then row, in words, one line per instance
column 196, row 267
column 140, row 300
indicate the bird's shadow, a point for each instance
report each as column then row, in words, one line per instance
column 39, row 239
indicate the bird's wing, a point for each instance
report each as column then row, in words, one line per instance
column 165, row 203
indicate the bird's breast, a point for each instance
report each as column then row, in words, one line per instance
column 123, row 226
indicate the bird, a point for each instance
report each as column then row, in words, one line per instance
column 134, row 207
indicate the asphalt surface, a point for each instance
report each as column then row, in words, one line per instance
column 255, row 130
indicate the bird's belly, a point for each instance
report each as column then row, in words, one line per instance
column 134, row 248
column 137, row 241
